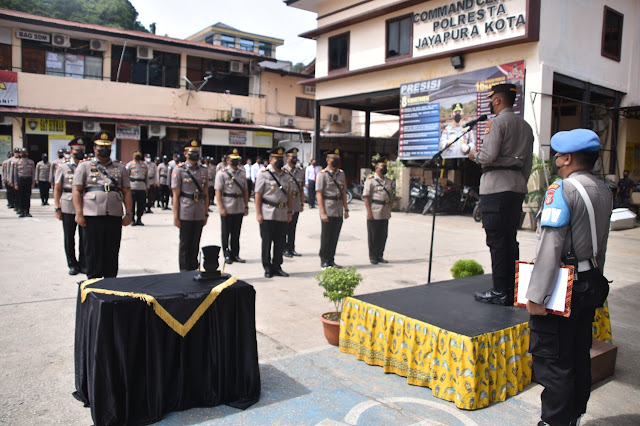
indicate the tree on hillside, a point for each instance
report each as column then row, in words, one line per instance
column 111, row 13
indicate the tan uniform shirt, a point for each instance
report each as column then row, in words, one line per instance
column 190, row 209
column 24, row 168
column 54, row 167
column 330, row 189
column 271, row 192
column 99, row 203
column 138, row 175
column 163, row 174
column 379, row 191
column 297, row 176
column 64, row 176
column 12, row 166
column 211, row 175
column 226, row 180
column 152, row 173
column 508, row 141
column 5, row 170
column 43, row 171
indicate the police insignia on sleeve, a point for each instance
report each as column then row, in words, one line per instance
column 556, row 212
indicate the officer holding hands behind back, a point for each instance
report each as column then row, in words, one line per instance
column 296, row 175
column 377, row 200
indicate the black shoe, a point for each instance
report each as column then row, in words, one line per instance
column 280, row 273
column 295, row 253
column 287, row 254
column 139, row 223
column 134, row 223
column 382, row 260
column 335, row 266
column 28, row 215
column 238, row 259
column 228, row 260
column 73, row 270
column 373, row 261
column 493, row 297
column 209, row 210
column 166, row 208
column 325, row 265
column 83, row 270
column 22, row 215
column 149, row 211
column 268, row 274
column 43, row 204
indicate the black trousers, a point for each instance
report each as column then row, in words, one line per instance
column 190, row 233
column 164, row 195
column 44, row 191
column 11, row 197
column 273, row 233
column 231, row 225
column 151, row 196
column 139, row 198
column 212, row 198
column 102, row 245
column 69, row 230
column 312, row 194
column 561, row 361
column 377, row 231
column 290, row 244
column 500, row 220
column 23, row 197
column 329, row 239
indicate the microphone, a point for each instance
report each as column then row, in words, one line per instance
column 475, row 121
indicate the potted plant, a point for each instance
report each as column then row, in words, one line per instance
column 466, row 268
column 338, row 284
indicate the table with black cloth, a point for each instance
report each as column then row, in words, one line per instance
column 149, row 345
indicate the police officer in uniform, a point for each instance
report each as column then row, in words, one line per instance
column 274, row 202
column 64, row 210
column 54, row 166
column 560, row 346
column 11, row 180
column 43, row 171
column 296, row 175
column 164, row 181
column 190, row 202
column 100, row 187
column 152, row 182
column 211, row 178
column 506, row 159
column 233, row 202
column 138, row 175
column 24, row 175
column 377, row 200
column 5, row 179
column 332, row 202
column 452, row 131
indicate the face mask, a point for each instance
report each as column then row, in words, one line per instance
column 104, row 152
column 457, row 118
column 491, row 107
column 194, row 156
column 555, row 168
column 279, row 164
column 60, row 155
column 335, row 163
column 67, row 156
column 138, row 157
column 235, row 162
column 79, row 155
column 294, row 160
column 383, row 170
column 25, row 155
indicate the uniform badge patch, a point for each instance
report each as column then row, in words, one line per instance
column 556, row 212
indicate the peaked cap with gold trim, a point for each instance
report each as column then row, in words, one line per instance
column 335, row 152
column 234, row 154
column 192, row 145
column 103, row 138
column 292, row 152
column 277, row 152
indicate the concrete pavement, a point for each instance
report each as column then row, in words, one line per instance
column 304, row 380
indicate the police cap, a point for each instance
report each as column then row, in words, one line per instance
column 457, row 107
column 233, row 154
column 383, row 159
column 78, row 143
column 192, row 145
column 335, row 152
column 575, row 140
column 293, row 152
column 277, row 152
column 502, row 88
column 103, row 138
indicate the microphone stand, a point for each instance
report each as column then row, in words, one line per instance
column 437, row 160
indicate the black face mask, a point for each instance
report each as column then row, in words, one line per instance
column 555, row 168
column 491, row 107
column 194, row 156
column 60, row 155
column 294, row 160
column 79, row 155
column 138, row 157
column 383, row 170
column 335, row 163
column 235, row 162
column 279, row 164
column 457, row 118
column 25, row 155
column 104, row 152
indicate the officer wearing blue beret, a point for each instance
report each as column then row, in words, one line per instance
column 560, row 346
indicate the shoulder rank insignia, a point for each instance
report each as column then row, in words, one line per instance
column 556, row 212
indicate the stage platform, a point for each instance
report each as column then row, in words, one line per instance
column 436, row 335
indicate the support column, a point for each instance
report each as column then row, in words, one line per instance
column 367, row 139
column 316, row 134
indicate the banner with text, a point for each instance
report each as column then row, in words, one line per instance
column 8, row 88
column 128, row 131
column 45, row 126
column 433, row 112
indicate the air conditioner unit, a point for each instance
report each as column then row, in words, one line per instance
column 238, row 113
column 90, row 126
column 309, row 90
column 61, row 40
column 335, row 118
column 289, row 122
column 5, row 121
column 236, row 66
column 145, row 52
column 157, row 130
column 98, row 45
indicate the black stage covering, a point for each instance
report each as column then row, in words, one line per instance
column 132, row 368
column 450, row 305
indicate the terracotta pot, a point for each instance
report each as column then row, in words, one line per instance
column 331, row 329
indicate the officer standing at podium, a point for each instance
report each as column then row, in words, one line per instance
column 377, row 200
column 331, row 193
column 560, row 346
column 100, row 187
column 190, row 204
column 296, row 175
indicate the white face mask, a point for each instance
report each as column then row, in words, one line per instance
column 148, row 160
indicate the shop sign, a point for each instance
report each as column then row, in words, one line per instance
column 237, row 137
column 29, row 35
column 45, row 126
column 263, row 139
column 8, row 88
column 429, row 110
column 128, row 131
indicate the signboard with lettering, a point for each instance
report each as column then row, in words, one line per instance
column 5, row 146
column 433, row 112
column 263, row 139
column 237, row 137
column 8, row 88
column 30, row 35
column 45, row 126
column 128, row 131
column 445, row 25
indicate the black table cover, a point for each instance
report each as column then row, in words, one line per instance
column 131, row 367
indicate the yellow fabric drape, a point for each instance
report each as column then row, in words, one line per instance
column 472, row 372
column 181, row 329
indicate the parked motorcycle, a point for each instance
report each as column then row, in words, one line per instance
column 417, row 195
column 468, row 199
column 355, row 190
column 448, row 200
column 477, row 214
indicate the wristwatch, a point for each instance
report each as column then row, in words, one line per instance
column 129, row 214
column 57, row 209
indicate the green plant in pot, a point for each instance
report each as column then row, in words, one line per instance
column 466, row 268
column 338, row 284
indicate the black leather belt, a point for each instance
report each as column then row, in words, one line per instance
column 24, row 177
column 492, row 168
column 66, row 189
column 236, row 195
column 195, row 197
column 103, row 188
column 276, row 205
column 332, row 197
column 136, row 180
column 383, row 203
column 163, row 175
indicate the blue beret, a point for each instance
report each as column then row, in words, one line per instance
column 575, row 140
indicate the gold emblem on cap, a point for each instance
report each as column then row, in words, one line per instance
column 337, row 151
column 194, row 143
column 280, row 151
column 235, row 151
column 104, row 137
